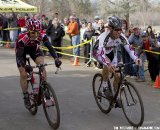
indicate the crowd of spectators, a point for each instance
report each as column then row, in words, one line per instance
column 83, row 30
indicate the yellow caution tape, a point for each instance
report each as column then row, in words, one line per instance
column 152, row 52
column 43, row 48
column 147, row 50
column 71, row 47
column 63, row 48
column 6, row 42
column 10, row 28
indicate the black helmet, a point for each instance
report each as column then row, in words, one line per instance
column 144, row 34
column 114, row 22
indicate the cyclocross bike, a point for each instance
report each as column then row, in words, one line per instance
column 45, row 95
column 129, row 96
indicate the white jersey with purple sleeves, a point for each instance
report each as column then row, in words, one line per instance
column 105, row 45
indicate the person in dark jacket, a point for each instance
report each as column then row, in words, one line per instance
column 88, row 36
column 5, row 33
column 56, row 33
column 153, row 59
column 13, row 33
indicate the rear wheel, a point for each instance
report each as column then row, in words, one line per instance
column 132, row 104
column 50, row 106
column 101, row 100
column 34, row 107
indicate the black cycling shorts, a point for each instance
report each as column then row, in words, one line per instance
column 32, row 51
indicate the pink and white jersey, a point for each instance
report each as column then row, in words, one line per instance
column 105, row 45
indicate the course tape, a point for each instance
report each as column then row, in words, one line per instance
column 10, row 28
column 43, row 48
column 71, row 47
column 6, row 42
column 155, row 52
column 63, row 48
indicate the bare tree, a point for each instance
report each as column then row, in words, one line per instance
column 134, row 11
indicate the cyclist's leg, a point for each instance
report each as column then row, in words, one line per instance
column 106, row 71
column 37, row 56
column 116, row 81
column 40, row 60
column 24, row 86
column 22, row 72
column 115, row 85
column 106, row 89
column 23, row 79
column 105, row 74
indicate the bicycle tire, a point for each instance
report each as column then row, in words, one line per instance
column 128, row 89
column 98, row 78
column 34, row 107
column 52, row 97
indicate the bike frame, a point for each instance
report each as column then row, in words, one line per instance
column 122, row 80
column 42, row 79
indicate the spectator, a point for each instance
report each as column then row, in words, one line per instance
column 123, row 55
column 95, row 24
column 73, row 31
column 5, row 33
column 89, row 32
column 99, row 29
column 43, row 21
column 1, row 24
column 150, row 33
column 21, row 23
column 44, row 27
column 56, row 15
column 13, row 32
column 82, row 30
column 66, row 22
column 26, row 17
column 56, row 32
column 153, row 59
column 78, row 21
column 136, row 42
column 158, row 40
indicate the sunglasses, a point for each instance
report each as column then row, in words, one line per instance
column 118, row 29
column 33, row 32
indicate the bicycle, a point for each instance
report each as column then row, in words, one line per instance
column 45, row 95
column 126, row 92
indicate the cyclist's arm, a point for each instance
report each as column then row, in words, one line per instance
column 128, row 48
column 100, row 56
column 19, row 53
column 99, row 52
column 49, row 46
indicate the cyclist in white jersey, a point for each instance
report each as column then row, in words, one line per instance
column 105, row 50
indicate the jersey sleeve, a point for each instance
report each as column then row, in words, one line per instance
column 128, row 48
column 100, row 56
column 49, row 46
column 99, row 52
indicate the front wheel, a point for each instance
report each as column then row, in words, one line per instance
column 132, row 104
column 50, row 106
column 101, row 100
